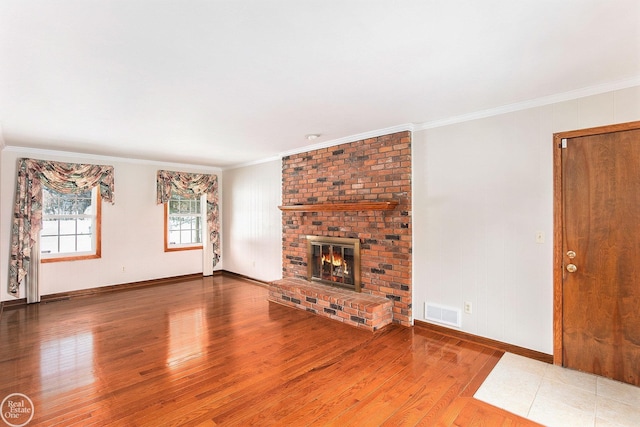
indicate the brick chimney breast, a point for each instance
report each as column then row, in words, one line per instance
column 370, row 170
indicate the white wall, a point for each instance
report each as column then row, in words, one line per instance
column 482, row 189
column 252, row 221
column 132, row 229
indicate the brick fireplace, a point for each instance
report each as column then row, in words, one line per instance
column 343, row 187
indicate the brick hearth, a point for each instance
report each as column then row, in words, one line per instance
column 375, row 169
column 357, row 309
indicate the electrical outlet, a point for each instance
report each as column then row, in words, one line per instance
column 467, row 307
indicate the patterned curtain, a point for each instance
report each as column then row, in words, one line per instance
column 64, row 178
column 190, row 185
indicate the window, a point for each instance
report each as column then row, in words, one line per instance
column 183, row 223
column 70, row 226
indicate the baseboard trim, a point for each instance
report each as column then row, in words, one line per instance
column 14, row 303
column 242, row 276
column 498, row 345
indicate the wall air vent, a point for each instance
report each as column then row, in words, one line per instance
column 441, row 314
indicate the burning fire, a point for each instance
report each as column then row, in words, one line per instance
column 336, row 260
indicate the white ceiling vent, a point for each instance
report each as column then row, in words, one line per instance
column 441, row 314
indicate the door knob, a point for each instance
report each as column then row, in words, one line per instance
column 571, row 268
column 571, row 254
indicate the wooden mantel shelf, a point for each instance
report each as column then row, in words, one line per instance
column 386, row 205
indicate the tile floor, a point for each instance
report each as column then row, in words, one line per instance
column 555, row 396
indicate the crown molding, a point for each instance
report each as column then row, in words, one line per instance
column 83, row 157
column 538, row 102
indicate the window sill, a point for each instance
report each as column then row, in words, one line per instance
column 69, row 258
column 182, row 248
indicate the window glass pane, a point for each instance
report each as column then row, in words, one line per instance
column 49, row 203
column 49, row 227
column 83, row 205
column 67, row 226
column 185, row 236
column 173, row 206
column 174, row 237
column 66, row 205
column 195, row 236
column 67, row 244
column 49, row 245
column 174, row 223
column 84, row 244
column 84, row 226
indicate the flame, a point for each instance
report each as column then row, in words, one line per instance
column 336, row 260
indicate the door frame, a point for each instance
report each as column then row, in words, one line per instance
column 558, row 221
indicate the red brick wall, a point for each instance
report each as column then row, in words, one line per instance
column 374, row 169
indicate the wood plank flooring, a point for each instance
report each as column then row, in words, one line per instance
column 214, row 351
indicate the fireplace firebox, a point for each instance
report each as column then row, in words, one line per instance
column 334, row 261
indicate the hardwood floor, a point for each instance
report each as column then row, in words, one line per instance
column 213, row 351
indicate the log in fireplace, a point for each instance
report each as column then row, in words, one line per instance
column 334, row 261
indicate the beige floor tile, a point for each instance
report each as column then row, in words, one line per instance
column 510, row 386
column 555, row 413
column 581, row 380
column 568, row 395
column 512, row 361
column 555, row 396
column 515, row 400
column 625, row 393
column 617, row 413
column 606, row 423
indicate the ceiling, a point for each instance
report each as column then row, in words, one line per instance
column 223, row 83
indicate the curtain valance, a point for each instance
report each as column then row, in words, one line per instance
column 190, row 185
column 27, row 211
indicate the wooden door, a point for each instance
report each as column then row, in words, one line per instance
column 600, row 253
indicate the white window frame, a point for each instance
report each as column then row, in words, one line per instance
column 172, row 246
column 94, row 216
